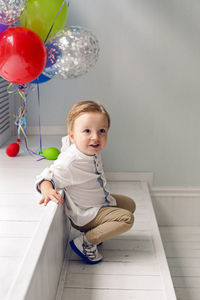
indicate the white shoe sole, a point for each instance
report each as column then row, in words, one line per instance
column 85, row 258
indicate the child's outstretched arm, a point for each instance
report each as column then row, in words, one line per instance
column 49, row 193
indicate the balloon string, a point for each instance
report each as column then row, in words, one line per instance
column 54, row 21
column 21, row 115
column 39, row 119
column 22, row 90
column 31, row 152
column 20, row 121
column 9, row 90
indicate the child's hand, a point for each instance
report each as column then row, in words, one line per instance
column 51, row 195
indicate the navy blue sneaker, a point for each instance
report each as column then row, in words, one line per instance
column 100, row 244
column 87, row 251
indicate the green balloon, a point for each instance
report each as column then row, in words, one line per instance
column 51, row 153
column 39, row 16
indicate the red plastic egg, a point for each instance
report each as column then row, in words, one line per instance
column 12, row 149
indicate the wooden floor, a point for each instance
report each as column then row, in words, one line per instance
column 134, row 265
column 182, row 247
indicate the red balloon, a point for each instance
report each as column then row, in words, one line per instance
column 12, row 149
column 22, row 55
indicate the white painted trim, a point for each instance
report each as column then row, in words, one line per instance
column 130, row 176
column 175, row 191
column 176, row 206
column 47, row 130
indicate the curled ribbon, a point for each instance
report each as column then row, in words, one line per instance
column 20, row 118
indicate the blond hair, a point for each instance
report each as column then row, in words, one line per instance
column 84, row 107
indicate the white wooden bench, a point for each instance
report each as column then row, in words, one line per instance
column 33, row 239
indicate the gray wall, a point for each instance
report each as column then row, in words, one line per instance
column 147, row 76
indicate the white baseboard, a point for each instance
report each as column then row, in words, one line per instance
column 175, row 191
column 176, row 206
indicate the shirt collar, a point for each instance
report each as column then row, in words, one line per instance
column 82, row 155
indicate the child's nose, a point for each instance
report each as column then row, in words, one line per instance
column 95, row 135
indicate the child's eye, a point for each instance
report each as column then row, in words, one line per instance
column 87, row 130
column 102, row 131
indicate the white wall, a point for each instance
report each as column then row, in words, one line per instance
column 147, row 76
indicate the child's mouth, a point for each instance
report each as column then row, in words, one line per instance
column 94, row 145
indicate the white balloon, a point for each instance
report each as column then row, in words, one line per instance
column 10, row 10
column 71, row 53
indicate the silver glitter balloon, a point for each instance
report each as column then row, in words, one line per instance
column 71, row 53
column 10, row 10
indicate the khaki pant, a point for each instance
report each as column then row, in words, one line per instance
column 110, row 221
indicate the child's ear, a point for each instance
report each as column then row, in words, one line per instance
column 71, row 136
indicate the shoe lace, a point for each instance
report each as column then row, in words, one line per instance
column 90, row 250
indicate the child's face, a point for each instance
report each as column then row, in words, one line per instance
column 89, row 132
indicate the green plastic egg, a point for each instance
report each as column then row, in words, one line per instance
column 51, row 153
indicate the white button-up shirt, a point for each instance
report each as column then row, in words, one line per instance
column 82, row 179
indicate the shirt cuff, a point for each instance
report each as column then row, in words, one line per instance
column 38, row 184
